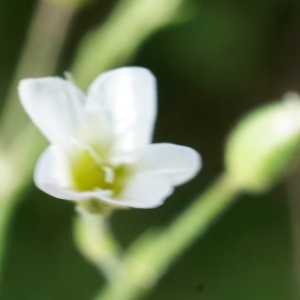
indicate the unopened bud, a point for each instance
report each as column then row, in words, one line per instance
column 262, row 147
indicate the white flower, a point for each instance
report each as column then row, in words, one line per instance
column 100, row 143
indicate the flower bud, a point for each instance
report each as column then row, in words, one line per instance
column 263, row 145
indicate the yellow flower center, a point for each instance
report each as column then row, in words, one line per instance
column 89, row 174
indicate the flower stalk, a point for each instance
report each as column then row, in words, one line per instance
column 96, row 243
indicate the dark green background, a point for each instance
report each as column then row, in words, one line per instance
column 232, row 56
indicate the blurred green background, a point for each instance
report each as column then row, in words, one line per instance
column 230, row 57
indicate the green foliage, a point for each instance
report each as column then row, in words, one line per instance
column 234, row 56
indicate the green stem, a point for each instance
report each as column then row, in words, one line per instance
column 119, row 38
column 15, row 167
column 20, row 142
column 39, row 57
column 96, row 243
column 149, row 259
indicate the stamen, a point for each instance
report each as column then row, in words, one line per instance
column 109, row 174
column 86, row 147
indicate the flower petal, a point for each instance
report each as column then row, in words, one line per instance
column 127, row 97
column 146, row 191
column 51, row 174
column 178, row 163
column 55, row 106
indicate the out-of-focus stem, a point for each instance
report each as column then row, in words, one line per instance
column 118, row 40
column 20, row 142
column 39, row 57
column 149, row 258
column 15, row 168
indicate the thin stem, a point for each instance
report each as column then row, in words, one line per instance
column 20, row 142
column 118, row 40
column 97, row 244
column 149, row 258
column 39, row 57
column 14, row 168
